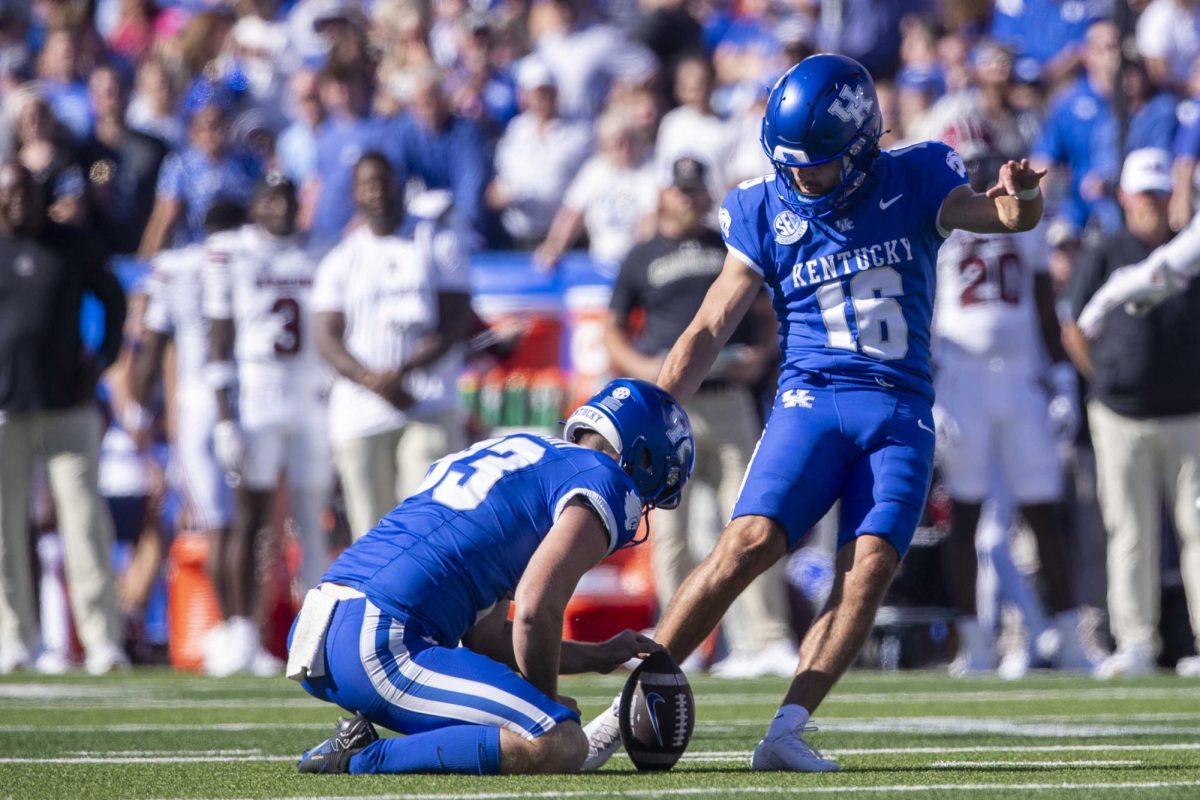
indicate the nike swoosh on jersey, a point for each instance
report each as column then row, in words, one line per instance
column 921, row 424
column 883, row 206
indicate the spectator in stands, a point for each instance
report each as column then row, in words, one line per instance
column 536, row 159
column 41, row 145
column 1186, row 150
column 440, row 149
column 392, row 307
column 1065, row 143
column 47, row 383
column 865, row 30
column 1152, row 123
column 693, row 128
column 152, row 107
column 1047, row 33
column 60, row 83
column 342, row 138
column 478, row 89
column 613, row 196
column 1144, row 414
column 120, row 166
column 192, row 179
column 665, row 279
column 132, row 35
column 668, row 29
column 296, row 147
column 991, row 97
column 1168, row 37
column 588, row 57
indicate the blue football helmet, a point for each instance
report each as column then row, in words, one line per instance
column 650, row 432
column 822, row 109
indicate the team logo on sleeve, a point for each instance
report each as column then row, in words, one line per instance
column 954, row 161
column 725, row 220
column 788, row 227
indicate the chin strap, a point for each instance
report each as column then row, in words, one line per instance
column 636, row 540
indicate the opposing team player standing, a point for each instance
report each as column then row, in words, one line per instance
column 410, row 627
column 257, row 285
column 845, row 237
column 1006, row 393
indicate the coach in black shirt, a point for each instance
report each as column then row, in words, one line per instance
column 1144, row 413
column 46, row 411
column 661, row 285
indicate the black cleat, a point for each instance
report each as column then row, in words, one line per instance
column 350, row 736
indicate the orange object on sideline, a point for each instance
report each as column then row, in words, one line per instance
column 192, row 605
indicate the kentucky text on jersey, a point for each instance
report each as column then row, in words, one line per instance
column 844, row 262
column 853, row 291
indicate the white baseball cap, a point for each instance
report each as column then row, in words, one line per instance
column 532, row 73
column 1146, row 170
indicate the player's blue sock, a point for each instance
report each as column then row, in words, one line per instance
column 462, row 749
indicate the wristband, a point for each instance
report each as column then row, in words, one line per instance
column 220, row 374
column 1028, row 194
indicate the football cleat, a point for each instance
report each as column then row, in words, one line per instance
column 604, row 736
column 332, row 756
column 790, row 753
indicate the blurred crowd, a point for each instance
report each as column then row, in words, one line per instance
column 300, row 130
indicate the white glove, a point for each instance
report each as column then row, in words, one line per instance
column 1139, row 287
column 228, row 446
column 1064, row 401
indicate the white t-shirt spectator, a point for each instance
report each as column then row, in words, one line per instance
column 1171, row 32
column 613, row 201
column 535, row 165
column 686, row 132
column 387, row 286
column 586, row 62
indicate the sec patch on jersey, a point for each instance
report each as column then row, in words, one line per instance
column 657, row 713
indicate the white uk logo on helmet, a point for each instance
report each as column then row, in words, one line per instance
column 621, row 393
column 852, row 105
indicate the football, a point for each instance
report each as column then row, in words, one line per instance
column 657, row 713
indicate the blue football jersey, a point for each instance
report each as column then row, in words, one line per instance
column 448, row 553
column 853, row 291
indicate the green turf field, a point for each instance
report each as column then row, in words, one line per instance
column 915, row 735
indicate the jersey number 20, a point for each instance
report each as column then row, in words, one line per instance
column 882, row 331
column 463, row 480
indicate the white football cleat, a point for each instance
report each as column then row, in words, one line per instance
column 1188, row 667
column 604, row 737
column 1133, row 663
column 976, row 650
column 790, row 753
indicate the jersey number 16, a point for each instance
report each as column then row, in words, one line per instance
column 879, row 319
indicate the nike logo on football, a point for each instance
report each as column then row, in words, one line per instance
column 883, row 206
column 652, row 701
column 921, row 424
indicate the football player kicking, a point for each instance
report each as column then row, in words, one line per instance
column 521, row 517
column 846, row 237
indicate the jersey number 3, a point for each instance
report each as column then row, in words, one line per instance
column 462, row 481
column 882, row 331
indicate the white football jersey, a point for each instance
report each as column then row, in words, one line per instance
column 175, row 284
column 264, row 283
column 985, row 302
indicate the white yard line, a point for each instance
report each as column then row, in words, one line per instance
column 736, row 791
column 1098, row 762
